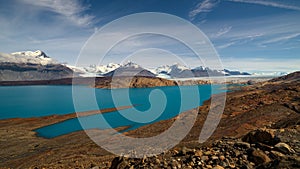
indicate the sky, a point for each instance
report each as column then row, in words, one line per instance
column 248, row 35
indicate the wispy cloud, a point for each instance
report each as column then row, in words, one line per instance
column 269, row 3
column 72, row 10
column 256, row 32
column 203, row 7
column 226, row 45
column 221, row 32
column 281, row 38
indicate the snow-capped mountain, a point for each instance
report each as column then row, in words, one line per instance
column 106, row 70
column 166, row 71
column 36, row 57
column 102, row 69
column 94, row 70
column 28, row 65
column 130, row 69
column 131, row 64
column 200, row 68
column 179, row 71
column 171, row 70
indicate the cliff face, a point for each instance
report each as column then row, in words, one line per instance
column 29, row 71
column 134, row 82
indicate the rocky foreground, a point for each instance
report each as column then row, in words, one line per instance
column 260, row 128
column 261, row 148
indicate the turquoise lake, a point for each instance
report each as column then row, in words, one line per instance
column 159, row 103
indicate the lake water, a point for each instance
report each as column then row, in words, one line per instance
column 153, row 104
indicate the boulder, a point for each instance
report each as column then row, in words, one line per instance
column 277, row 155
column 218, row 167
column 283, row 148
column 259, row 157
column 261, row 136
column 242, row 144
column 119, row 163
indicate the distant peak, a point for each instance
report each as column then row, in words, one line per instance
column 130, row 64
column 179, row 66
column 35, row 57
column 200, row 68
column 36, row 54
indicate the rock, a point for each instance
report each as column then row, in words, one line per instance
column 242, row 144
column 207, row 153
column 95, row 167
column 290, row 163
column 157, row 161
column 244, row 157
column 222, row 158
column 174, row 164
column 264, row 147
column 250, row 82
column 231, row 165
column 208, row 166
column 198, row 153
column 119, row 163
column 283, row 148
column 237, row 153
column 260, row 136
column 204, row 158
column 276, row 154
column 214, row 157
column 218, row 167
column 191, row 164
column 259, row 157
column 185, row 151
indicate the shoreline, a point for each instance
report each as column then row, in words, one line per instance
column 140, row 81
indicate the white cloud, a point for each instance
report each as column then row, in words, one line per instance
column 221, row 32
column 281, row 38
column 226, row 45
column 71, row 9
column 204, row 6
column 270, row 3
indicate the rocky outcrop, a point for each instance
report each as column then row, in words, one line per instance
column 227, row 152
column 133, row 82
column 290, row 77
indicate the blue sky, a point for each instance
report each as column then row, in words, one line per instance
column 249, row 35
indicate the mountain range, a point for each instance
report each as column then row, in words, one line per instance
column 166, row 71
column 38, row 65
